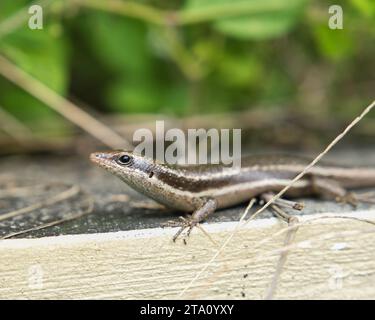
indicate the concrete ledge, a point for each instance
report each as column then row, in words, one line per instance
column 330, row 258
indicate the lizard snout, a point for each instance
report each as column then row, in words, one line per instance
column 98, row 156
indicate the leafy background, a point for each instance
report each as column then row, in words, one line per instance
column 222, row 56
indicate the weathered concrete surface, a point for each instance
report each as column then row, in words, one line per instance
column 109, row 215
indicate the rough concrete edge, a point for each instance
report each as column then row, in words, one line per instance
column 158, row 232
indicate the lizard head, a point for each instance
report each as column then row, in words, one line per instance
column 143, row 174
column 133, row 169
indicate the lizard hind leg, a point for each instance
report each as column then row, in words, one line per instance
column 282, row 203
column 331, row 189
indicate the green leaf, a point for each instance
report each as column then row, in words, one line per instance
column 334, row 44
column 258, row 27
column 241, row 70
column 260, row 19
column 132, row 96
column 147, row 97
column 139, row 80
column 365, row 7
column 119, row 43
column 39, row 54
column 43, row 55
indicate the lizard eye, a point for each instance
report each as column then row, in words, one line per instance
column 124, row 160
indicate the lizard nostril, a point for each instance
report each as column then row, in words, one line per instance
column 96, row 156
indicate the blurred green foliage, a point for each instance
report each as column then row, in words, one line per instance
column 246, row 53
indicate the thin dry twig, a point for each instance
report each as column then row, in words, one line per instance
column 20, row 191
column 277, row 196
column 207, row 234
column 316, row 160
column 321, row 238
column 61, row 105
column 16, row 129
column 305, row 223
column 71, row 192
column 325, row 236
column 251, row 203
column 261, row 256
column 290, row 236
column 53, row 223
column 12, row 22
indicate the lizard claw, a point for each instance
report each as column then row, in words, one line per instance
column 188, row 224
column 184, row 223
column 193, row 220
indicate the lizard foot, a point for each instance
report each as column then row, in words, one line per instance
column 188, row 224
column 282, row 202
column 184, row 223
column 350, row 198
column 368, row 197
column 172, row 223
column 198, row 215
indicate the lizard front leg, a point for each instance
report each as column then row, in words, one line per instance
column 198, row 215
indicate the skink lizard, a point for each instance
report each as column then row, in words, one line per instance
column 202, row 189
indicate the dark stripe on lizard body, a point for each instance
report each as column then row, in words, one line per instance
column 188, row 187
